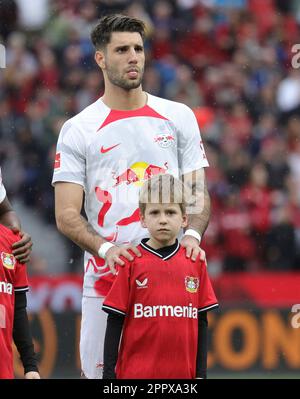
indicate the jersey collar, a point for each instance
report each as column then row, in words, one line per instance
column 163, row 253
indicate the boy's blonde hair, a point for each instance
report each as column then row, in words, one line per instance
column 162, row 189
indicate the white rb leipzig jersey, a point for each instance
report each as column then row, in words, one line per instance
column 110, row 153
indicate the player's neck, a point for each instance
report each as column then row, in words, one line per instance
column 120, row 99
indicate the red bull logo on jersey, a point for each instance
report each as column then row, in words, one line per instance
column 8, row 260
column 165, row 140
column 191, row 284
column 189, row 311
column 138, row 172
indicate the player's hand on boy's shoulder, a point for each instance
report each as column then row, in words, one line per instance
column 114, row 254
column 193, row 251
column 32, row 375
column 22, row 248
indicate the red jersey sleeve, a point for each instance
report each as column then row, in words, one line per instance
column 21, row 279
column 17, row 271
column 116, row 300
column 207, row 297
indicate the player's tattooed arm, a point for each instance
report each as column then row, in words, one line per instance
column 198, row 210
column 199, row 206
column 90, row 228
column 70, row 222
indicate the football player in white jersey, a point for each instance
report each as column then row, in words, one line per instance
column 104, row 154
column 9, row 218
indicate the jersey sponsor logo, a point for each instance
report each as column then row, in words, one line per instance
column 8, row 260
column 6, row 288
column 191, row 284
column 165, row 140
column 57, row 161
column 142, row 284
column 138, row 173
column 104, row 150
column 189, row 311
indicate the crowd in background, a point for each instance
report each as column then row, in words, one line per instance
column 229, row 60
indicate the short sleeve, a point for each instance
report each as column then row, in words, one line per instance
column 69, row 165
column 117, row 298
column 207, row 297
column 2, row 189
column 191, row 153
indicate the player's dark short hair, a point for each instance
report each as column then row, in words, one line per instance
column 101, row 34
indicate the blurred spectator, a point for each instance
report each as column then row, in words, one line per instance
column 137, row 10
column 288, row 94
column 294, row 164
column 257, row 197
column 281, row 241
column 112, row 6
column 8, row 17
column 274, row 154
column 33, row 14
column 152, row 81
column 239, row 246
column 182, row 89
column 296, row 9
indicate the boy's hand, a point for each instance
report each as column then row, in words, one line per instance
column 191, row 244
column 113, row 256
column 32, row 375
column 22, row 248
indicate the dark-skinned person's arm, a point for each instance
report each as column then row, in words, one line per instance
column 9, row 218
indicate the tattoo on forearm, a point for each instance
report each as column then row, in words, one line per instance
column 77, row 229
column 198, row 203
column 90, row 228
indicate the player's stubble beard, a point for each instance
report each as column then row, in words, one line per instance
column 115, row 77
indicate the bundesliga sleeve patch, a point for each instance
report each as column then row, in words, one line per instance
column 57, row 161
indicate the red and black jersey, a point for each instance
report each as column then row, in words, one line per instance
column 161, row 298
column 13, row 277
